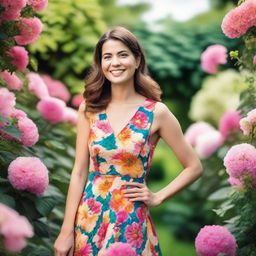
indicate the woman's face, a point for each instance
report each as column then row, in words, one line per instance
column 118, row 62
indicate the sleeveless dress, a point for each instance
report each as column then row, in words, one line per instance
column 106, row 222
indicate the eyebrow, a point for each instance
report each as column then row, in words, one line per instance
column 108, row 53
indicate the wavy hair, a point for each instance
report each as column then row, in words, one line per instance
column 97, row 92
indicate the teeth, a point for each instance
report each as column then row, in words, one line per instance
column 117, row 71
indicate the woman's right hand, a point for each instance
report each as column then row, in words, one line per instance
column 64, row 244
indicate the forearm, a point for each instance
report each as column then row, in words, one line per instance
column 185, row 178
column 75, row 190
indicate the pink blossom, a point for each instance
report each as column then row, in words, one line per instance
column 29, row 131
column 240, row 162
column 38, row 5
column 28, row 173
column 140, row 120
column 121, row 216
column 15, row 228
column 71, row 115
column 196, row 129
column 103, row 125
column 7, row 101
column 213, row 56
column 11, row 9
column 133, row 235
column 245, row 126
column 56, row 88
column 208, row 143
column 235, row 182
column 254, row 59
column 86, row 250
column 11, row 80
column 17, row 113
column 229, row 122
column 37, row 86
column 251, row 117
column 30, row 29
column 141, row 213
column 240, row 19
column 94, row 205
column 120, row 249
column 77, row 100
column 213, row 240
column 52, row 109
column 19, row 57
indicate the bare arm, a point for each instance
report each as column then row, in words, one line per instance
column 79, row 172
column 170, row 131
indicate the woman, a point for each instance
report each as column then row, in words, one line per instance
column 121, row 120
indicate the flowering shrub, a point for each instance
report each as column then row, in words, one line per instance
column 214, row 240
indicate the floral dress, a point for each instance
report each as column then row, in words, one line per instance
column 106, row 222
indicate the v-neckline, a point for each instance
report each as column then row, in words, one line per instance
column 127, row 123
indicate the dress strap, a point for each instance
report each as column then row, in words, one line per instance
column 150, row 104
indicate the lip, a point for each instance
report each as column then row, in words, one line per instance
column 121, row 71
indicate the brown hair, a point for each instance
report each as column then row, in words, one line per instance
column 98, row 89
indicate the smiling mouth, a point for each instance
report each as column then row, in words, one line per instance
column 117, row 72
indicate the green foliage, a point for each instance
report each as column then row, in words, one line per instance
column 71, row 30
column 173, row 55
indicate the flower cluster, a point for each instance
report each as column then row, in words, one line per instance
column 213, row 56
column 214, row 240
column 120, row 249
column 14, row 228
column 205, row 138
column 240, row 19
column 248, row 123
column 240, row 163
column 28, row 173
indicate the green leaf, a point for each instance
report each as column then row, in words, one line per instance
column 220, row 194
column 45, row 205
column 40, row 228
column 7, row 200
column 13, row 131
column 40, row 251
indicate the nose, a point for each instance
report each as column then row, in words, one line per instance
column 115, row 61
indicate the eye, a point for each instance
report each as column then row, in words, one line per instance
column 123, row 54
column 106, row 57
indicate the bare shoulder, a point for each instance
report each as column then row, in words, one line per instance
column 162, row 112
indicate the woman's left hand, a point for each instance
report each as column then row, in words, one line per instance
column 141, row 192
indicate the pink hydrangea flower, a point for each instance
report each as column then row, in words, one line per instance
column 213, row 240
column 11, row 9
column 239, row 20
column 235, row 182
column 208, row 143
column 29, row 131
column 38, row 5
column 14, row 228
column 19, row 57
column 196, row 129
column 56, row 88
column 30, row 29
column 245, row 126
column 213, row 56
column 120, row 249
column 71, row 115
column 229, row 122
column 11, row 80
column 17, row 113
column 251, row 117
column 28, row 173
column 7, row 101
column 77, row 100
column 240, row 162
column 133, row 235
column 37, row 86
column 52, row 109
